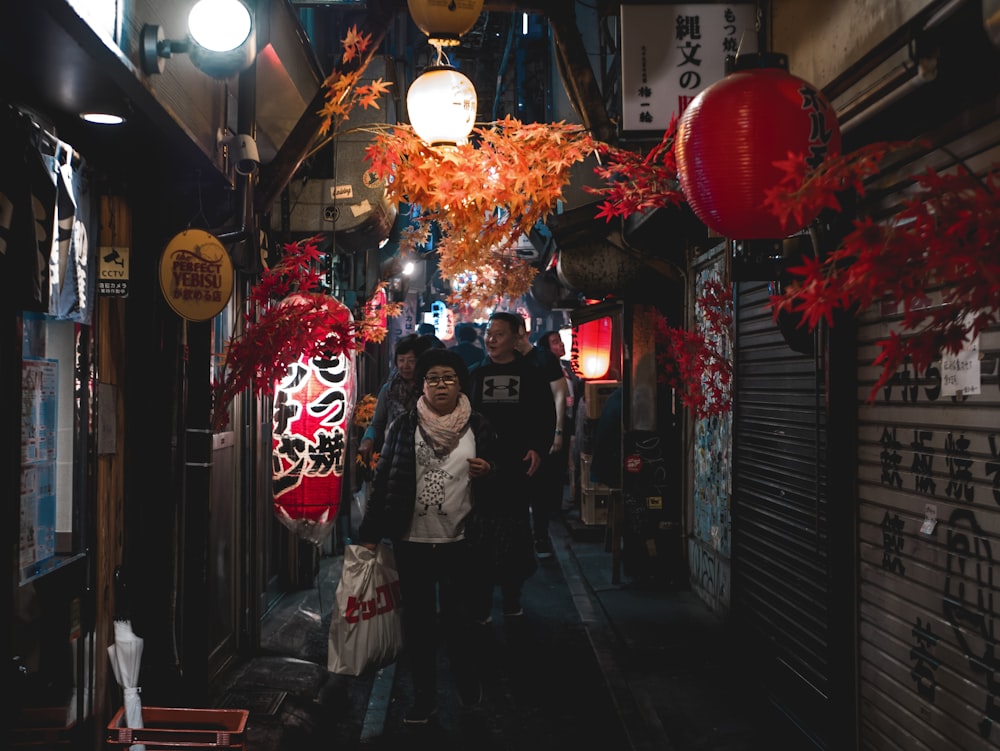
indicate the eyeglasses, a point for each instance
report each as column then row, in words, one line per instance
column 448, row 380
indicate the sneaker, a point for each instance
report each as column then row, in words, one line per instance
column 419, row 714
column 485, row 621
column 543, row 548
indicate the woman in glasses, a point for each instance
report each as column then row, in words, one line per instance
column 435, row 464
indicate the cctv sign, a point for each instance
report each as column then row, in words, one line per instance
column 112, row 279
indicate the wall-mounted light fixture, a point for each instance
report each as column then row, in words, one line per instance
column 442, row 104
column 221, row 40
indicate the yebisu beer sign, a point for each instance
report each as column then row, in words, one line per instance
column 196, row 275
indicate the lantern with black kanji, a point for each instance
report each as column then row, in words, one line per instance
column 733, row 132
column 590, row 355
column 312, row 412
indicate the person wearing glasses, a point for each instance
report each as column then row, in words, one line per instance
column 437, row 463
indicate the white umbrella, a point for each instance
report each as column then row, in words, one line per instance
column 126, row 658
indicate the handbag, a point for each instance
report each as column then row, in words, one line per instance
column 366, row 628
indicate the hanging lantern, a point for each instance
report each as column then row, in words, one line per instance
column 442, row 105
column 445, row 21
column 597, row 268
column 733, row 132
column 590, row 355
column 312, row 412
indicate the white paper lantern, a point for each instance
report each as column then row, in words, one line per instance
column 442, row 106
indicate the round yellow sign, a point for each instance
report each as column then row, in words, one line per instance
column 196, row 275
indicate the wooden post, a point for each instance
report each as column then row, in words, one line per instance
column 109, row 335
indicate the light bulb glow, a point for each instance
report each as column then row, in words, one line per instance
column 442, row 106
column 591, row 352
column 102, row 118
column 219, row 25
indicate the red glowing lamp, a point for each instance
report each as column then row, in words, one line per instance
column 312, row 412
column 733, row 132
column 591, row 352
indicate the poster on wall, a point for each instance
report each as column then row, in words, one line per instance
column 38, row 514
column 39, row 411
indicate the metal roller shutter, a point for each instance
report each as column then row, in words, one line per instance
column 930, row 597
column 780, row 515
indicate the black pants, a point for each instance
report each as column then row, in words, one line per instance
column 547, row 490
column 433, row 575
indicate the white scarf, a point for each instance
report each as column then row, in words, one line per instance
column 442, row 432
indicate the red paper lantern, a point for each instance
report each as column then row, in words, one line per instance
column 312, row 412
column 591, row 352
column 733, row 132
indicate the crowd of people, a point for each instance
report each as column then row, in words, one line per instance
column 472, row 447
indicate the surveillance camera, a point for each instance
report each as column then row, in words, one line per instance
column 245, row 156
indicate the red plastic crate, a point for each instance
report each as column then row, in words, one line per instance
column 167, row 728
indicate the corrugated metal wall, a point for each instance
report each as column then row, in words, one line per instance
column 929, row 600
column 781, row 562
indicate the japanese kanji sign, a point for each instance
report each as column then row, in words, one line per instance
column 312, row 413
column 670, row 53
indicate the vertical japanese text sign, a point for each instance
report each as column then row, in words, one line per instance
column 313, row 404
column 670, row 53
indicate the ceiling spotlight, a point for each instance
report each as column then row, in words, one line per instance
column 102, row 118
column 220, row 40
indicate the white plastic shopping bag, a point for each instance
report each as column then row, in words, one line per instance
column 366, row 630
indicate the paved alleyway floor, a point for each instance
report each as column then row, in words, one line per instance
column 592, row 664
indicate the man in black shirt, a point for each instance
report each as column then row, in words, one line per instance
column 517, row 401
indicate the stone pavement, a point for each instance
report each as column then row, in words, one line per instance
column 633, row 666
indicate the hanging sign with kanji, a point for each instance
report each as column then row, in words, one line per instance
column 670, row 53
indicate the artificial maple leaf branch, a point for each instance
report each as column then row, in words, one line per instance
column 697, row 362
column 637, row 182
column 364, row 410
column 290, row 315
column 342, row 91
column 482, row 196
column 942, row 242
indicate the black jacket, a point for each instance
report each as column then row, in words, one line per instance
column 394, row 487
